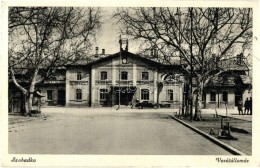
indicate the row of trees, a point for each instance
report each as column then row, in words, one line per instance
column 196, row 35
column 49, row 37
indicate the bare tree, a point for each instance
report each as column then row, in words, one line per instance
column 197, row 35
column 48, row 38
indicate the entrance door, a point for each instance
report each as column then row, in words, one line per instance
column 238, row 96
column 16, row 103
column 61, row 97
column 125, row 98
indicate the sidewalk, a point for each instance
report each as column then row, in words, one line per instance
column 231, row 112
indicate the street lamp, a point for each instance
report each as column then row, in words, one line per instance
column 178, row 13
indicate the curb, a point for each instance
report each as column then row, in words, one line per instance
column 211, row 138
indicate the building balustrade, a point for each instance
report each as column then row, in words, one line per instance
column 103, row 82
column 144, row 82
column 76, row 82
column 54, row 82
column 125, row 82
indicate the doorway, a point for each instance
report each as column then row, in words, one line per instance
column 125, row 98
column 61, row 97
column 126, row 95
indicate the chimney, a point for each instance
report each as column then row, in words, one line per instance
column 155, row 53
column 151, row 52
column 96, row 55
column 103, row 51
column 240, row 58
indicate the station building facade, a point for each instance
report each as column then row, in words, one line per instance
column 124, row 78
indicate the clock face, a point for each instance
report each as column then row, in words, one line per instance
column 124, row 60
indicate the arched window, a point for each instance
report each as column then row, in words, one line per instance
column 79, row 75
column 124, row 75
column 144, row 94
column 169, row 95
column 103, row 75
column 78, row 94
column 145, row 76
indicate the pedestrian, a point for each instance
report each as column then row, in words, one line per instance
column 250, row 106
column 246, row 105
column 134, row 102
column 240, row 106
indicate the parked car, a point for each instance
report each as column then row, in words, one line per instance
column 147, row 104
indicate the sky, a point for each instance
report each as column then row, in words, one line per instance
column 108, row 36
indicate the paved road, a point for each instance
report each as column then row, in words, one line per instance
column 108, row 133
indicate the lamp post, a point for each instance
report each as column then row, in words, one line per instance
column 119, row 70
column 191, row 66
column 178, row 13
column 124, row 61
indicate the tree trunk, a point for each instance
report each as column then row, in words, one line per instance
column 198, row 103
column 198, row 107
column 26, row 105
column 29, row 99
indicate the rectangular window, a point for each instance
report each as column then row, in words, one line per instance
column 145, row 76
column 79, row 75
column 169, row 95
column 225, row 96
column 124, row 75
column 213, row 96
column 103, row 94
column 144, row 94
column 49, row 94
column 103, row 75
column 78, row 94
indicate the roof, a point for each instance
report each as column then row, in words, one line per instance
column 233, row 64
column 245, row 79
column 90, row 59
column 94, row 59
column 123, row 54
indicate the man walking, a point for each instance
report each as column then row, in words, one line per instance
column 246, row 105
column 240, row 106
